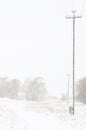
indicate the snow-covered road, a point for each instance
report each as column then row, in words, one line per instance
column 15, row 115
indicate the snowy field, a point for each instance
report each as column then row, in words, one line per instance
column 46, row 115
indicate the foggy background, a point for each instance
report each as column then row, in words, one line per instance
column 36, row 40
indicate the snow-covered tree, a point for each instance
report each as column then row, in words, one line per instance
column 81, row 90
column 13, row 88
column 36, row 89
column 3, row 86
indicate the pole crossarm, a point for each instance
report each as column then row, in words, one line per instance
column 69, row 17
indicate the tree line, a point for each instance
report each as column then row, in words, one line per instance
column 34, row 89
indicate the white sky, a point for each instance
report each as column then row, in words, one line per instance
column 35, row 40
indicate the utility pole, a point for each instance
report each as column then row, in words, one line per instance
column 73, row 17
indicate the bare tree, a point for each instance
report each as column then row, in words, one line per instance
column 36, row 89
column 13, row 88
column 81, row 90
column 3, row 87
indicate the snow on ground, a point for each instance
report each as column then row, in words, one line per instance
column 45, row 115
